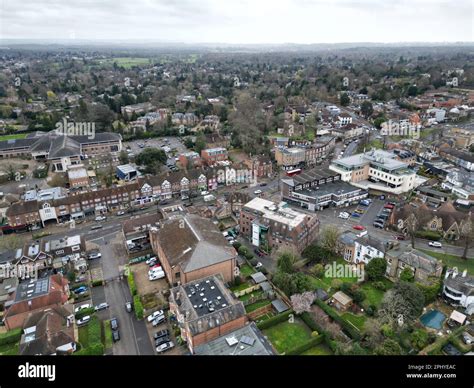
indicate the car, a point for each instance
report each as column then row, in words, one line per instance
column 360, row 211
column 120, row 213
column 152, row 316
column 164, row 347
column 128, row 307
column 257, row 192
column 84, row 320
column 365, row 202
column 155, row 270
column 161, row 334
column 82, row 307
column 355, row 215
column 115, row 335
column 379, row 225
column 94, row 255
column 263, row 184
column 100, row 218
column 80, row 290
column 153, row 263
column 150, row 260
column 399, row 237
column 258, row 252
column 156, row 276
column 162, row 340
column 344, row 215
column 203, row 193
column 95, row 227
column 114, row 324
column 358, row 227
column 101, row 306
column 389, row 206
column 259, row 265
column 383, row 217
column 435, row 244
column 467, row 338
column 158, row 320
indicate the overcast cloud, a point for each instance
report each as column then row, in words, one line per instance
column 240, row 21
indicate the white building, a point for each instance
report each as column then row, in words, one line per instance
column 458, row 289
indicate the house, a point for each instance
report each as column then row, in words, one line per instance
column 49, row 332
column 245, row 341
column 78, row 177
column 205, row 310
column 270, row 225
column 290, row 158
column 35, row 295
column 341, row 301
column 460, row 158
column 458, row 289
column 136, row 230
column 126, row 172
column 368, row 248
column 446, row 219
column 191, row 247
column 422, row 265
column 212, row 156
column 261, row 166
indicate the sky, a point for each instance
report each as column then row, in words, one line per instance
column 239, row 21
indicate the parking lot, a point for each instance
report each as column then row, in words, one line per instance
column 144, row 285
column 174, row 143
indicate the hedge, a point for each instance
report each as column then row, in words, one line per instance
column 97, row 283
column 10, row 337
column 306, row 318
column 131, row 284
column 282, row 317
column 428, row 235
column 138, row 307
column 353, row 333
column 306, row 346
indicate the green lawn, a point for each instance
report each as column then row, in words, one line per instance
column 13, row 136
column 251, row 295
column 246, row 270
column 257, row 305
column 373, row 295
column 129, row 62
column 83, row 336
column 286, row 336
column 107, row 334
column 453, row 261
column 318, row 350
column 240, row 287
column 325, row 282
column 10, row 349
column 357, row 320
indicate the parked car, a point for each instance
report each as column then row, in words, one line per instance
column 154, row 315
column 114, row 324
column 358, row 227
column 120, row 213
column 156, row 275
column 389, row 206
column 467, row 338
column 356, row 215
column 153, row 263
column 82, row 307
column 100, row 218
column 263, row 184
column 257, row 192
column 203, row 193
column 344, row 215
column 101, row 306
column 259, row 265
column 80, row 290
column 84, row 320
column 435, row 244
column 162, row 340
column 128, row 307
column 365, row 202
column 379, row 224
column 151, row 260
column 164, row 347
column 399, row 237
column 161, row 334
column 94, row 255
column 115, row 335
column 95, row 227
column 258, row 252
column 158, row 320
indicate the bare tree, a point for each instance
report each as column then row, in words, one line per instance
column 466, row 230
column 302, row 302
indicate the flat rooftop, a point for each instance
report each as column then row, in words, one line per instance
column 205, row 296
column 336, row 188
column 32, row 289
column 276, row 212
column 378, row 157
column 246, row 341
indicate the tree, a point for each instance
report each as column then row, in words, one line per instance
column 376, row 268
column 467, row 233
column 10, row 241
column 286, row 262
column 415, row 222
column 366, row 109
column 200, row 143
column 404, row 301
column 302, row 302
column 344, row 99
column 317, row 254
column 389, row 347
column 329, row 237
column 151, row 158
column 407, row 275
column 123, row 157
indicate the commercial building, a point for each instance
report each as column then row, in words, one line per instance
column 272, row 226
column 377, row 170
